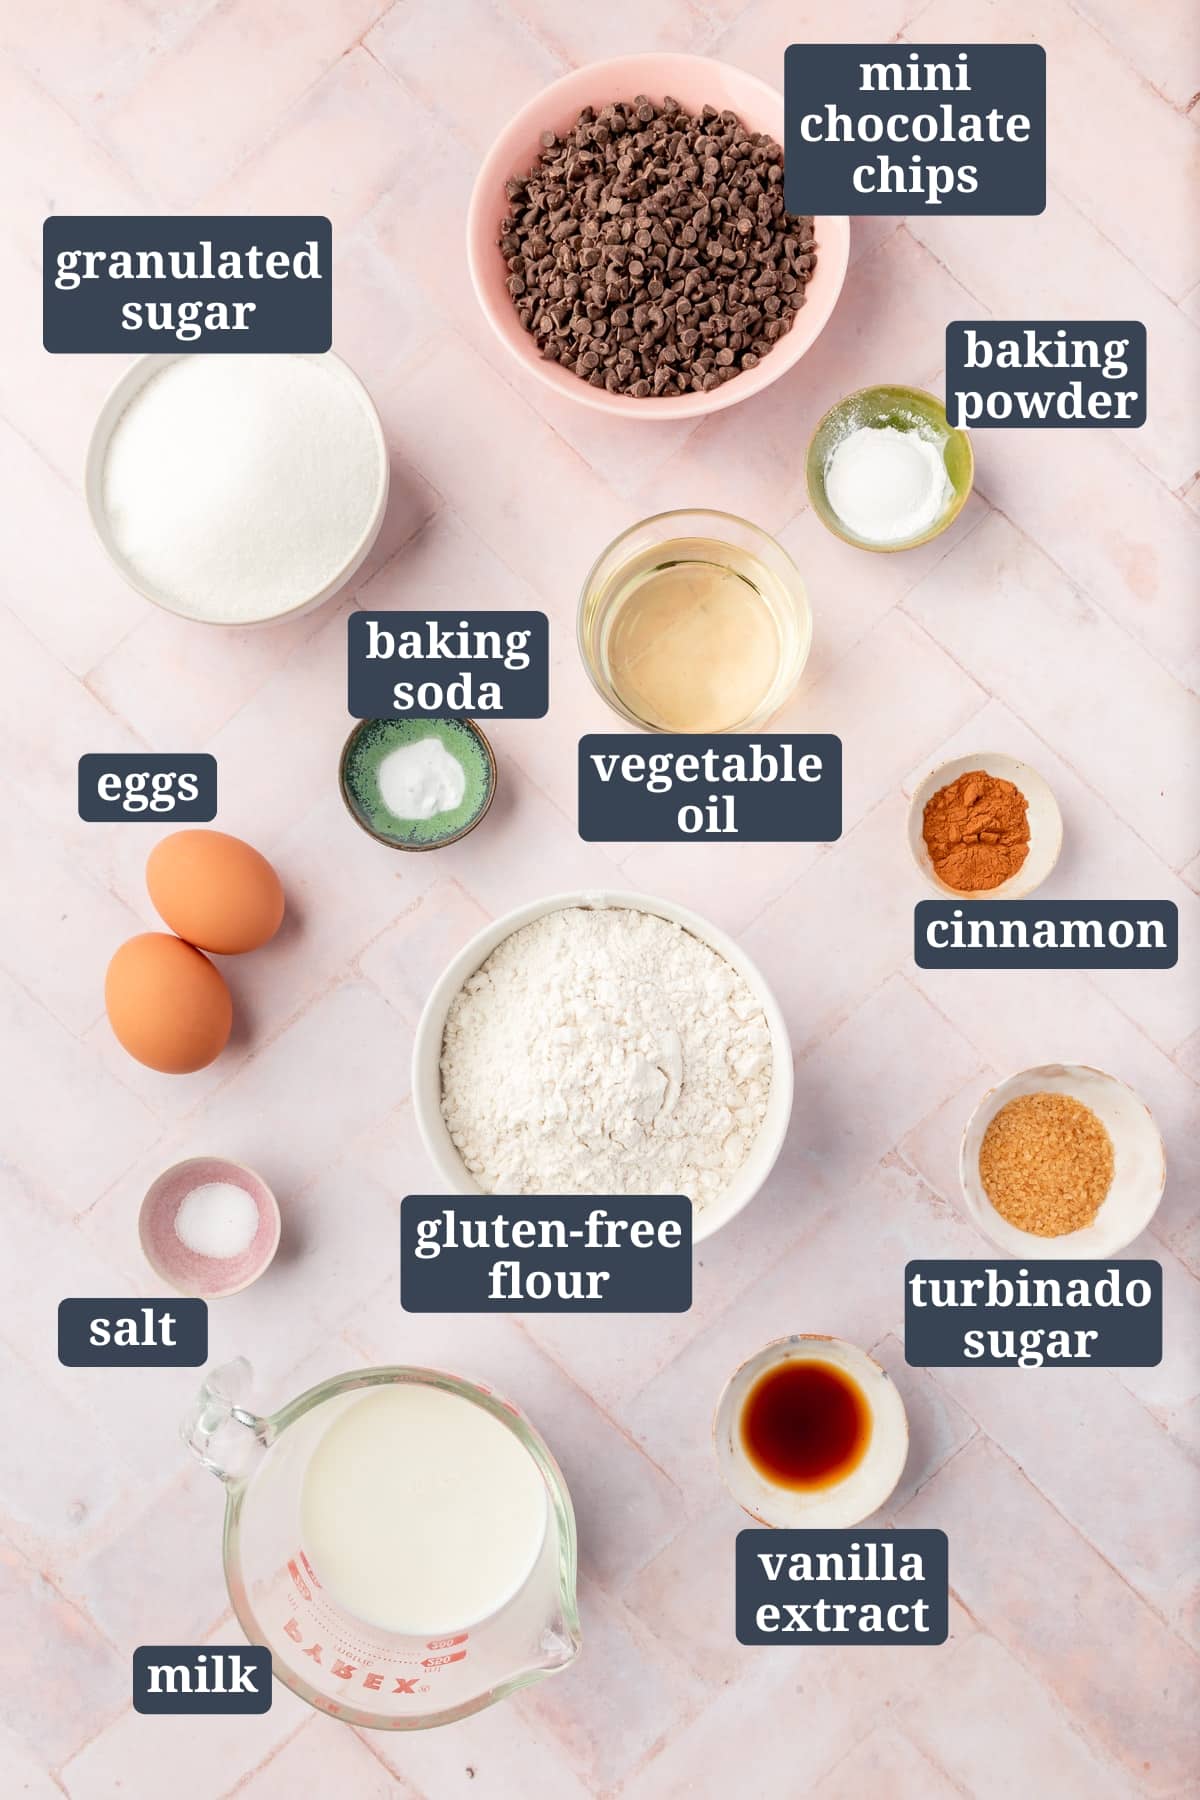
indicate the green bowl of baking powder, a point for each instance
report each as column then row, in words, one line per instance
column 394, row 767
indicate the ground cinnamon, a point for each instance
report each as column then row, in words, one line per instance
column 976, row 831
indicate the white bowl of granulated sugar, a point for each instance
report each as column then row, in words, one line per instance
column 237, row 490
column 604, row 1043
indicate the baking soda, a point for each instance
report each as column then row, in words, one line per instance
column 237, row 487
column 887, row 486
column 217, row 1219
column 421, row 780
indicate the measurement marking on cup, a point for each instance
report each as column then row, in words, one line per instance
column 375, row 1678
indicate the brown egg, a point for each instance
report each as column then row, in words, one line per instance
column 215, row 891
column 167, row 1004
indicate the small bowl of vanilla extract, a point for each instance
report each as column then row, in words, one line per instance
column 811, row 1432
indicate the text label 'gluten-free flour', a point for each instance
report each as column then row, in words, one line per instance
column 516, row 1253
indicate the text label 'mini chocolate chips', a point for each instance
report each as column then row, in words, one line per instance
column 649, row 250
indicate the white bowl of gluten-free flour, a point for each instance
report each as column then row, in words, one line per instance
column 769, row 1134
column 237, row 490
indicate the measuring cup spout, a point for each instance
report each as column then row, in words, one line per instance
column 225, row 1435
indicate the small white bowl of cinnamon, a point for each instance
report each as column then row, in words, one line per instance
column 984, row 827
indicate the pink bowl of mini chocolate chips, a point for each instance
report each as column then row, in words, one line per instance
column 629, row 245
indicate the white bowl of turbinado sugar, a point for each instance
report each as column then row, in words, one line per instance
column 1062, row 1161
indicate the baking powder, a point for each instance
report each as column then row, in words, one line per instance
column 885, row 485
column 605, row 1051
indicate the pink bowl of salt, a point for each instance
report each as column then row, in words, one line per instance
column 209, row 1227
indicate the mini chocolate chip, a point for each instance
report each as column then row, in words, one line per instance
column 644, row 224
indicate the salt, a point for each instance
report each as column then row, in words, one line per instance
column 218, row 1219
column 420, row 780
column 885, row 485
column 237, row 487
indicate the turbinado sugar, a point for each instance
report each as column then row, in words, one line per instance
column 237, row 487
column 649, row 251
column 1046, row 1164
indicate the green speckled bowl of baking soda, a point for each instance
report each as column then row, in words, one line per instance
column 417, row 784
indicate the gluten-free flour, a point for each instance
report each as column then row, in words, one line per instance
column 605, row 1051
column 237, row 487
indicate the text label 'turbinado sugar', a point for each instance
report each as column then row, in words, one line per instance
column 998, row 1315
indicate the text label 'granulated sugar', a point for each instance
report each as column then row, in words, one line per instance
column 187, row 286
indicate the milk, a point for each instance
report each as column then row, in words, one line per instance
column 420, row 1512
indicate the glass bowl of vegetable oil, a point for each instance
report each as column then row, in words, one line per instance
column 695, row 622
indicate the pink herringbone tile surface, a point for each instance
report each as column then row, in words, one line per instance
column 1055, row 621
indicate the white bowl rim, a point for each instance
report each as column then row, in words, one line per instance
column 129, row 382
column 979, row 1208
column 655, row 409
column 950, row 770
column 427, row 1040
column 811, row 1346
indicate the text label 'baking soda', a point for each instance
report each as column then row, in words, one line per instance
column 494, row 665
column 1000, row 1315
column 842, row 1587
column 187, row 286
column 149, row 786
column 657, row 790
column 201, row 1678
column 514, row 1253
column 1046, row 934
column 132, row 1334
column 899, row 128
column 1050, row 373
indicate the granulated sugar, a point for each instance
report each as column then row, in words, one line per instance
column 605, row 1051
column 237, row 487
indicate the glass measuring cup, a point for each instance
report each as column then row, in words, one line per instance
column 355, row 1671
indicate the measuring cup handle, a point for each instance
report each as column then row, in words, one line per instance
column 225, row 1436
